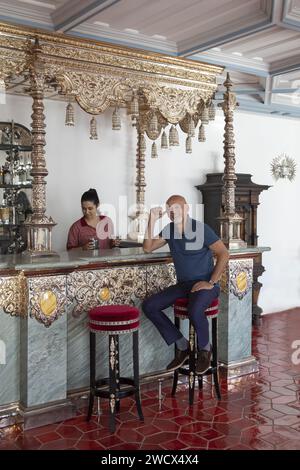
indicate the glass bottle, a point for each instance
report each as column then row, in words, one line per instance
column 5, row 212
column 16, row 179
column 22, row 171
column 28, row 167
column 6, row 174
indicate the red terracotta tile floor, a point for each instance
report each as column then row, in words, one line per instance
column 259, row 411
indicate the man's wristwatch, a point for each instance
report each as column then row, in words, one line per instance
column 212, row 283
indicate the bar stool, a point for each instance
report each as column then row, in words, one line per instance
column 114, row 320
column 181, row 313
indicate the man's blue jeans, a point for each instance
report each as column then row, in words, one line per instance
column 199, row 301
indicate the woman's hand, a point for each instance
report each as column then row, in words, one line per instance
column 115, row 242
column 201, row 285
column 88, row 246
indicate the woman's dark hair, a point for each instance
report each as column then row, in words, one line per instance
column 91, row 196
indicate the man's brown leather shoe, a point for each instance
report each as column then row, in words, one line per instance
column 203, row 361
column 180, row 358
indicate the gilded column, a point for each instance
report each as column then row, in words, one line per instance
column 139, row 215
column 230, row 221
column 38, row 224
column 140, row 171
column 229, row 177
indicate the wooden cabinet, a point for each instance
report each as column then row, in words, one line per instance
column 246, row 201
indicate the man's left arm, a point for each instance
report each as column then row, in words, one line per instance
column 221, row 253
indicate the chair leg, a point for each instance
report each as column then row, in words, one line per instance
column 136, row 375
column 215, row 356
column 112, row 382
column 117, row 375
column 92, row 374
column 176, row 373
column 192, row 364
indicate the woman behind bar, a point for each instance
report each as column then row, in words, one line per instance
column 91, row 226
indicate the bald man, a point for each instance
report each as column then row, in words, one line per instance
column 192, row 245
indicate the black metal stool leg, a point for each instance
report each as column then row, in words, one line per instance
column 136, row 375
column 200, row 382
column 92, row 374
column 112, row 382
column 117, row 375
column 175, row 382
column 192, row 363
column 176, row 374
column 200, row 377
column 215, row 356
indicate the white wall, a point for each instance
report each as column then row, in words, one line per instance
column 76, row 163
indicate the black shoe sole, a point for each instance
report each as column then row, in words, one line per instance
column 178, row 366
column 203, row 372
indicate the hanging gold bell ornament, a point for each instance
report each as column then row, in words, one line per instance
column 201, row 135
column 69, row 121
column 164, row 141
column 173, row 137
column 188, row 144
column 134, row 108
column 93, row 129
column 211, row 111
column 116, row 120
column 154, row 153
column 191, row 127
column 153, row 123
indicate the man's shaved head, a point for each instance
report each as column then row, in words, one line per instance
column 176, row 199
column 177, row 208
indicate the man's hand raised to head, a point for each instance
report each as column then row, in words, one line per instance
column 156, row 213
column 151, row 243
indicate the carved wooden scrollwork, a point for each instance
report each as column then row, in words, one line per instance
column 14, row 295
column 144, row 120
column 174, row 103
column 93, row 93
column 88, row 289
column 160, row 277
column 47, row 297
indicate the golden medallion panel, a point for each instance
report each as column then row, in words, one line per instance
column 240, row 277
column 47, row 298
column 87, row 289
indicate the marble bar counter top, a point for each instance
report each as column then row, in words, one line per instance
column 78, row 258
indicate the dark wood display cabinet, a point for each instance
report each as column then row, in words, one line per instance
column 246, row 202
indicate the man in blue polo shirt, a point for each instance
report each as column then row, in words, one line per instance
column 192, row 245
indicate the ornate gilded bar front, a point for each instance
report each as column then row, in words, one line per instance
column 44, row 338
column 43, row 325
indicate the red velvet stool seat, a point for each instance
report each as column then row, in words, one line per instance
column 114, row 320
column 181, row 313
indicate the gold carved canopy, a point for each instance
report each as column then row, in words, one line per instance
column 100, row 75
column 156, row 90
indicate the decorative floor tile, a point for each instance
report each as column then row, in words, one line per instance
column 257, row 412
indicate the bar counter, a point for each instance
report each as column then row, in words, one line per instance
column 44, row 347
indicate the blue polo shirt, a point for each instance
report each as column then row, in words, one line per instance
column 193, row 260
